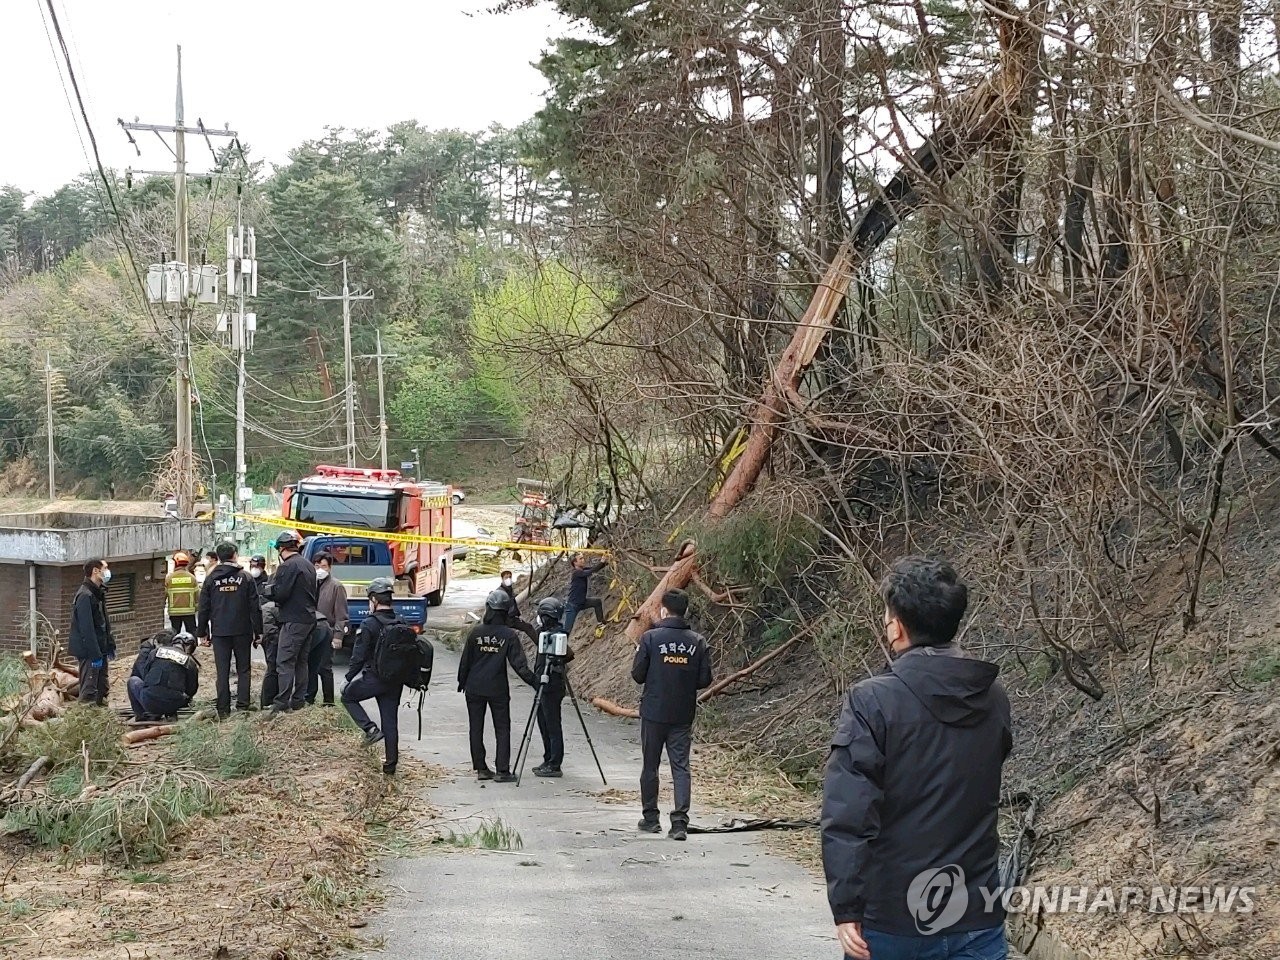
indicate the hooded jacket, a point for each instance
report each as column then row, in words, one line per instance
column 913, row 788
column 673, row 663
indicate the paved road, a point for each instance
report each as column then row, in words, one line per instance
column 585, row 884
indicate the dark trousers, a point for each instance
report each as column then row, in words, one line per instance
column 320, row 672
column 183, row 621
column 223, row 649
column 571, row 613
column 369, row 686
column 147, row 704
column 94, row 682
column 549, row 724
column 270, row 679
column 678, row 741
column 975, row 945
column 291, row 665
column 501, row 712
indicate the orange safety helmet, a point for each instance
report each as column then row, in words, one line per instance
column 180, row 559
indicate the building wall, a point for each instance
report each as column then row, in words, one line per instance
column 136, row 592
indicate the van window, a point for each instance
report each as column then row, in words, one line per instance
column 360, row 554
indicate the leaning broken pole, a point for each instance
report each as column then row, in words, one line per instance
column 978, row 118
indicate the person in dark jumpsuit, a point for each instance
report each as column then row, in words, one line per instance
column 482, row 676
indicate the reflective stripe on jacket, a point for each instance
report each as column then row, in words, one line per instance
column 180, row 591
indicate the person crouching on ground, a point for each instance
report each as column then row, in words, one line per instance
column 673, row 663
column 165, row 676
column 482, row 676
column 363, row 681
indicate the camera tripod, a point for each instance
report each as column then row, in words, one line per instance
column 525, row 741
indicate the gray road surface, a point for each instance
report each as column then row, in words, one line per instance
column 585, row 884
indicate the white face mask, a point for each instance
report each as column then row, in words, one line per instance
column 506, row 581
column 106, row 577
column 322, row 574
column 255, row 572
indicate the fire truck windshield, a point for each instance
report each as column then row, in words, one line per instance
column 376, row 511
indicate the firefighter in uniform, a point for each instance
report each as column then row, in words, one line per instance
column 165, row 676
column 181, row 590
column 482, row 676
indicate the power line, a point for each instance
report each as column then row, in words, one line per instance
column 97, row 158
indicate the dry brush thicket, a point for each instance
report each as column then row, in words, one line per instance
column 1061, row 357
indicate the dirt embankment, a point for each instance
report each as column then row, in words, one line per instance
column 272, row 857
column 1172, row 779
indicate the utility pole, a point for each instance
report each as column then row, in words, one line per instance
column 382, row 397
column 242, row 278
column 48, row 418
column 346, row 299
column 178, row 285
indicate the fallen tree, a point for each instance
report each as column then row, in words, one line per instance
column 981, row 118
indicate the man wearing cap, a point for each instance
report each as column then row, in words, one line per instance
column 294, row 591
column 180, row 592
column 363, row 682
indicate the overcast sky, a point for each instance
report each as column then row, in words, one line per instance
column 278, row 71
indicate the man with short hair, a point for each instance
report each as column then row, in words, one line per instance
column 294, row 591
column 180, row 591
column 91, row 640
column 912, row 787
column 364, row 683
column 231, row 613
column 577, row 600
column 673, row 663
column 331, row 602
column 165, row 676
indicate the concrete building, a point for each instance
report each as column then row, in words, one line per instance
column 42, row 557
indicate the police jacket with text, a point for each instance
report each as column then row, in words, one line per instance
column 673, row 663
column 364, row 652
column 482, row 671
column 90, row 637
column 229, row 604
column 168, row 674
column 913, row 787
column 294, row 590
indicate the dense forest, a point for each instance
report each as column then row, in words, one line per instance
column 455, row 234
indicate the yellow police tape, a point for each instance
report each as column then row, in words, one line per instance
column 403, row 537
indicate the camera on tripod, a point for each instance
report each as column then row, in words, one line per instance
column 553, row 644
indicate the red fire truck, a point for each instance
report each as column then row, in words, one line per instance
column 359, row 498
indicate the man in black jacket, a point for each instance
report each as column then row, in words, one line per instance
column 91, row 640
column 231, row 613
column 482, row 675
column 913, row 786
column 577, row 600
column 165, row 676
column 550, row 725
column 293, row 590
column 673, row 663
column 363, row 681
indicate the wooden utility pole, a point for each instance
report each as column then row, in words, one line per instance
column 346, row 299
column 185, row 296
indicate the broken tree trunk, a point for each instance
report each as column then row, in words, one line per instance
column 981, row 116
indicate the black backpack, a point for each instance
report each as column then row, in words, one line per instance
column 404, row 657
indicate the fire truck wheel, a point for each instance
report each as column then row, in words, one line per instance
column 436, row 597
